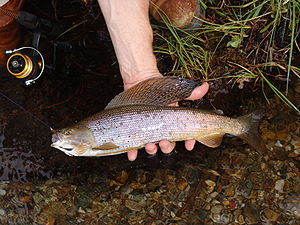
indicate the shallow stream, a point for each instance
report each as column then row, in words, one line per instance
column 232, row 184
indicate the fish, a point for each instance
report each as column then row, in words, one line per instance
column 141, row 115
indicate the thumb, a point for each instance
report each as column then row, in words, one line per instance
column 199, row 92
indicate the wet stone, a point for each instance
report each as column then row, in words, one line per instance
column 134, row 206
column 122, row 176
column 279, row 184
column 270, row 215
column 154, row 184
column 2, row 192
column 182, row 184
column 230, row 191
column 224, row 218
column 291, row 206
column 2, row 212
column 125, row 190
column 251, row 214
column 210, row 185
column 240, row 219
column 83, row 201
column 201, row 214
column 216, row 209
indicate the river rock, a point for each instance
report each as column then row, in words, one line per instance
column 216, row 209
column 134, row 206
column 270, row 215
column 2, row 192
column 279, row 184
column 251, row 214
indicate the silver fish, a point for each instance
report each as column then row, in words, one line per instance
column 140, row 116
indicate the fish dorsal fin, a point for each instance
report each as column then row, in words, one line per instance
column 106, row 146
column 155, row 91
column 211, row 141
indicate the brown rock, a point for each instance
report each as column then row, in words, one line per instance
column 25, row 198
column 282, row 135
column 240, row 219
column 136, row 185
column 50, row 221
column 210, row 185
column 181, row 184
column 134, row 206
column 229, row 192
column 269, row 135
column 251, row 214
column 270, row 215
column 122, row 177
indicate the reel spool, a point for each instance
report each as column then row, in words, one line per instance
column 25, row 63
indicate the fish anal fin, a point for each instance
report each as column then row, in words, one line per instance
column 106, row 146
column 212, row 140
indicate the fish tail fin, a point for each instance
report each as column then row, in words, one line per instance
column 251, row 134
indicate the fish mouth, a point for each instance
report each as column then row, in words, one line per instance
column 67, row 149
column 57, row 142
column 56, row 145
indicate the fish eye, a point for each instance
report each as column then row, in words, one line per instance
column 67, row 132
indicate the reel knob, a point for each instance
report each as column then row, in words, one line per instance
column 19, row 65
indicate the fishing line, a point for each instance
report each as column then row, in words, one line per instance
column 21, row 107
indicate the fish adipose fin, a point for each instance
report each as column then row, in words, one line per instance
column 157, row 91
column 251, row 134
column 211, row 141
column 106, row 146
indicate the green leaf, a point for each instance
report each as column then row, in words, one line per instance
column 235, row 42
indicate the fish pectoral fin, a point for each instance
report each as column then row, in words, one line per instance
column 106, row 146
column 212, row 141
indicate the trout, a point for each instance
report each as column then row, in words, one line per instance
column 140, row 115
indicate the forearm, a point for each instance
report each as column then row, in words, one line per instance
column 132, row 37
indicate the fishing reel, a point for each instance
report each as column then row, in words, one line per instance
column 28, row 62
column 25, row 63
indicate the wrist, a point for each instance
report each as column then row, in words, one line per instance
column 133, row 77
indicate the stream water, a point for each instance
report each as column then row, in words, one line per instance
column 232, row 184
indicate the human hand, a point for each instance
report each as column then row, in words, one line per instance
column 166, row 146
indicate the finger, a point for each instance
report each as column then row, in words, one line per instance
column 132, row 155
column 151, row 148
column 174, row 104
column 166, row 146
column 189, row 144
column 199, row 91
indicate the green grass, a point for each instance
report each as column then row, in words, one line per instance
column 255, row 30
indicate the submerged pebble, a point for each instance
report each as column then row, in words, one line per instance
column 279, row 184
column 2, row 192
column 2, row 212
